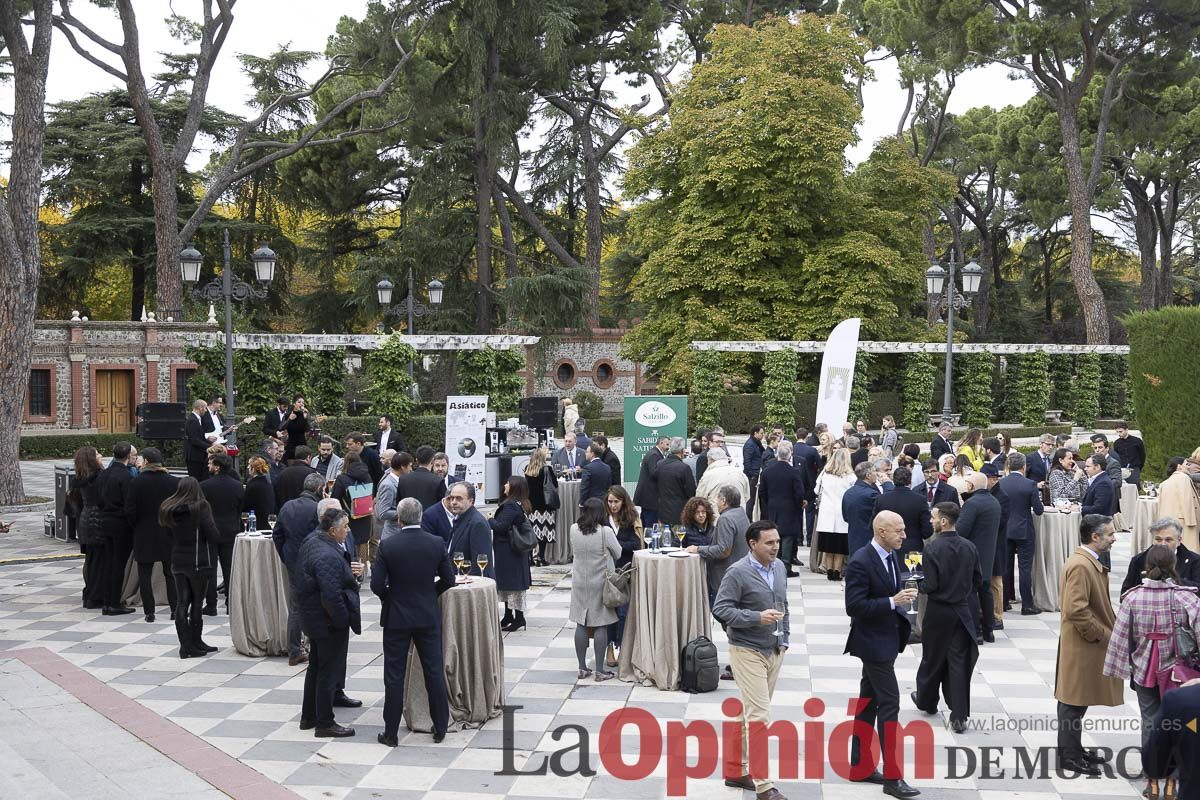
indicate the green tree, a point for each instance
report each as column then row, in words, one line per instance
column 495, row 373
column 920, row 376
column 388, row 384
column 779, row 387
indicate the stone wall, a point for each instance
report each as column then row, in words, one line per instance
column 592, row 364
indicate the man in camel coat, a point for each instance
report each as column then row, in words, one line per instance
column 1179, row 499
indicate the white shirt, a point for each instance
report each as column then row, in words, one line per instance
column 217, row 426
column 385, row 436
column 1091, row 552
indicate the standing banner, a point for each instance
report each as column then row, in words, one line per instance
column 466, row 427
column 646, row 419
column 837, row 375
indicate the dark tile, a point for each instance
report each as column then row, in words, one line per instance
column 328, row 773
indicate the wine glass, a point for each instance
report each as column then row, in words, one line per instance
column 271, row 521
column 779, row 627
column 460, row 561
column 648, row 535
column 481, row 561
column 245, row 521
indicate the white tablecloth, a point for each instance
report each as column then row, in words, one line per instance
column 1125, row 518
column 258, row 597
column 668, row 607
column 559, row 551
column 1147, row 512
column 1057, row 536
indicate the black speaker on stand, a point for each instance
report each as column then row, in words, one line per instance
column 161, row 421
column 539, row 412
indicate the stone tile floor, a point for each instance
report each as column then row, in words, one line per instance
column 249, row 708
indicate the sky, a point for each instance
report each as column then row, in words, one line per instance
column 260, row 27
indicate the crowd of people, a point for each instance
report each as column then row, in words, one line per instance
column 877, row 514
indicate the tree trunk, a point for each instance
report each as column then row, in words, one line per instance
column 983, row 300
column 20, row 245
column 484, row 177
column 929, row 247
column 137, row 246
column 1145, row 235
column 1166, row 213
column 168, row 280
column 510, row 251
column 1091, row 298
column 595, row 220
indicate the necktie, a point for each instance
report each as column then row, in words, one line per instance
column 892, row 572
column 931, row 494
column 571, row 458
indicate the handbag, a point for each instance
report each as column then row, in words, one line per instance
column 521, row 538
column 550, row 490
column 615, row 591
column 1186, row 665
column 362, row 501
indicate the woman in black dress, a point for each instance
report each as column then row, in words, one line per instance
column 295, row 425
column 83, row 497
column 543, row 518
column 513, row 577
column 624, row 519
column 151, row 541
column 260, row 493
column 354, row 473
column 189, row 517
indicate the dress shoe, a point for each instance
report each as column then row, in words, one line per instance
column 149, row 618
column 1029, row 612
column 1007, row 606
column 116, row 611
column 989, row 637
column 295, row 661
column 744, row 782
column 209, row 611
column 875, row 777
column 1093, row 758
column 208, row 648
column 998, row 626
column 1080, row 766
column 791, row 573
column 770, row 794
column 190, row 652
column 335, row 732
column 727, row 673
column 836, row 574
column 958, row 725
column 899, row 789
column 913, row 697
column 307, row 724
column 342, row 701
column 513, row 626
column 172, row 615
column 439, row 737
column 387, row 741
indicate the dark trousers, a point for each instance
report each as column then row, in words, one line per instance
column 649, row 517
column 810, row 519
column 189, row 603
column 752, row 497
column 428, row 641
column 948, row 674
column 984, row 622
column 326, row 660
column 878, row 686
column 94, row 556
column 1023, row 550
column 146, row 585
column 116, row 560
column 787, row 550
column 197, row 469
column 224, row 554
column 1070, row 731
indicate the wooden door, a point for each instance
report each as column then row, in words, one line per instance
column 114, row 400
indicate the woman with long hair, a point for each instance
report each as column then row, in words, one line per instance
column 831, row 526
column 889, row 438
column 960, row 474
column 151, row 541
column 971, row 448
column 1143, row 640
column 596, row 551
column 539, row 474
column 1005, row 444
column 189, row 517
column 1066, row 480
column 513, row 577
column 622, row 518
column 699, row 522
column 83, row 498
column 355, row 473
column 260, row 493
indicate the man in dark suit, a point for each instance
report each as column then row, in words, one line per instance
column 936, row 490
column 676, row 484
column 409, row 614
column 276, row 417
column 858, row 507
column 1037, row 465
column 224, row 492
column 438, row 520
column 1131, row 451
column 389, row 437
column 1173, row 742
column 421, row 483
column 1112, row 467
column 805, row 456
column 1168, row 533
column 196, row 441
column 941, row 445
column 783, row 491
column 609, row 458
column 911, row 508
column 645, row 495
column 441, row 468
column 1024, row 500
column 992, row 453
column 879, row 630
column 294, row 523
column 752, row 464
column 291, row 478
column 597, row 476
column 470, row 534
column 115, row 534
column 979, row 524
column 1098, row 499
column 570, row 456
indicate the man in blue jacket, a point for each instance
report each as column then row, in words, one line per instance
column 409, row 615
column 858, row 507
column 470, row 534
column 752, row 458
column 1023, row 501
column 296, row 520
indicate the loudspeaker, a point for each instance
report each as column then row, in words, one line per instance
column 161, row 420
column 539, row 412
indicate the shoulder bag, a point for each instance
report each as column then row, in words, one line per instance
column 521, row 538
column 550, row 490
column 615, row 591
column 361, row 500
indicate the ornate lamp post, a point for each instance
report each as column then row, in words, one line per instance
column 951, row 301
column 412, row 307
column 229, row 288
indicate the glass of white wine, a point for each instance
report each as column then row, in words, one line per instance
column 481, row 561
column 460, row 561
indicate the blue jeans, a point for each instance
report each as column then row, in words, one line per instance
column 616, row 630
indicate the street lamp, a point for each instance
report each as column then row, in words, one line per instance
column 937, row 278
column 412, row 307
column 229, row 288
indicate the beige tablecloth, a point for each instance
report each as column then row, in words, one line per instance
column 1147, row 512
column 559, row 551
column 1124, row 520
column 258, row 610
column 1057, row 536
column 668, row 607
column 130, row 594
column 473, row 655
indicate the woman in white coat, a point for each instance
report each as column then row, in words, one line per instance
column 832, row 483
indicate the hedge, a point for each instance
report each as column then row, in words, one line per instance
column 779, row 386
column 920, row 375
column 1086, row 405
column 1164, row 372
column 741, row 411
column 707, row 383
column 975, row 387
column 1030, row 381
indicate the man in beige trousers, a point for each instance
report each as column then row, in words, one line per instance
column 752, row 603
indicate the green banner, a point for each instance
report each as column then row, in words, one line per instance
column 648, row 417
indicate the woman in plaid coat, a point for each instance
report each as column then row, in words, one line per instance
column 1146, row 620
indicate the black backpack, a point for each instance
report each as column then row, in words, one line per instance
column 700, row 670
